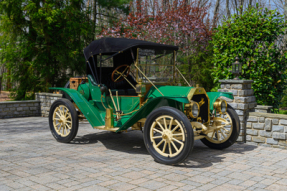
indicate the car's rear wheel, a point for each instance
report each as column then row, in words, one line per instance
column 226, row 129
column 168, row 135
column 63, row 120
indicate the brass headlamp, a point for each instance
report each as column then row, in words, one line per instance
column 192, row 109
column 220, row 105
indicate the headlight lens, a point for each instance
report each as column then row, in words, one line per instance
column 194, row 110
column 220, row 105
column 223, row 107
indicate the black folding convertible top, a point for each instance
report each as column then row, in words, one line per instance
column 113, row 45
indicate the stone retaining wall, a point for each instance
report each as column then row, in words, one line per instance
column 11, row 109
column 267, row 129
column 46, row 100
column 244, row 100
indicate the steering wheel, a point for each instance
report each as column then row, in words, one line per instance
column 120, row 73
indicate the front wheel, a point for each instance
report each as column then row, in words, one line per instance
column 168, row 135
column 226, row 129
column 63, row 120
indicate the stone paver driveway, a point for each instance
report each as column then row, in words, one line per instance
column 31, row 159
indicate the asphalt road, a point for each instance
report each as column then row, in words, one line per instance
column 31, row 159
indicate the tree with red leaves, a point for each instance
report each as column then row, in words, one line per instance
column 184, row 25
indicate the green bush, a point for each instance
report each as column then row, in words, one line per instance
column 253, row 37
column 197, row 68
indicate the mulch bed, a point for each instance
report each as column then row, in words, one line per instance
column 4, row 96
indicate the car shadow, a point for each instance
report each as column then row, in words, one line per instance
column 133, row 143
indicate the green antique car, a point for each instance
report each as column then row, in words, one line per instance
column 132, row 85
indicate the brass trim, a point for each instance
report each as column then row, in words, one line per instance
column 109, row 119
column 148, row 80
column 182, row 76
column 199, row 91
column 136, row 64
column 201, row 102
column 188, row 107
column 174, row 60
column 217, row 105
column 106, row 129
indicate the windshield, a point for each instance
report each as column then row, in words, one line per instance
column 158, row 68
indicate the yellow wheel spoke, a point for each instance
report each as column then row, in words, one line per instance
column 213, row 134
column 177, row 141
column 164, row 122
column 176, row 127
column 157, row 137
column 218, row 138
column 158, row 131
column 178, row 134
column 174, row 146
column 170, row 123
column 164, row 147
column 169, row 148
column 68, row 126
column 225, row 130
column 58, row 114
column 160, row 143
column 160, row 125
column 66, row 113
column 222, row 134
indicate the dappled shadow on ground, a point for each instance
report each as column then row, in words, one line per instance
column 132, row 142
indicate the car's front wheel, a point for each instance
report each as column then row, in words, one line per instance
column 226, row 129
column 168, row 135
column 63, row 120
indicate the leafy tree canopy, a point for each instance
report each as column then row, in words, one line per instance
column 253, row 37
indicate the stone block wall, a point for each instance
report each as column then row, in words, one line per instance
column 267, row 129
column 12, row 109
column 263, row 109
column 244, row 100
column 46, row 100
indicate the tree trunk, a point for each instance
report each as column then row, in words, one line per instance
column 241, row 6
column 216, row 12
column 250, row 3
column 227, row 9
column 8, row 85
column 95, row 19
column 236, row 7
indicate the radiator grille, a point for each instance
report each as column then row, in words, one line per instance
column 204, row 108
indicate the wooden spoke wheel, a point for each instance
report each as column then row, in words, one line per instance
column 63, row 120
column 225, row 130
column 120, row 73
column 168, row 135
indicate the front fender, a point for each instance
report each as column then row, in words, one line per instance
column 89, row 111
column 214, row 95
column 144, row 111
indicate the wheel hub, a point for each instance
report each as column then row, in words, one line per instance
column 63, row 120
column 167, row 135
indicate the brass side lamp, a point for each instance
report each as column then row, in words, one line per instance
column 236, row 68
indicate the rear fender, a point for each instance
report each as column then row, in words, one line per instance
column 213, row 96
column 154, row 103
column 89, row 111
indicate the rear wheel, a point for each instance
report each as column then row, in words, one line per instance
column 63, row 120
column 168, row 135
column 226, row 129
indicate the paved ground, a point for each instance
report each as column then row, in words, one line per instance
column 30, row 159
